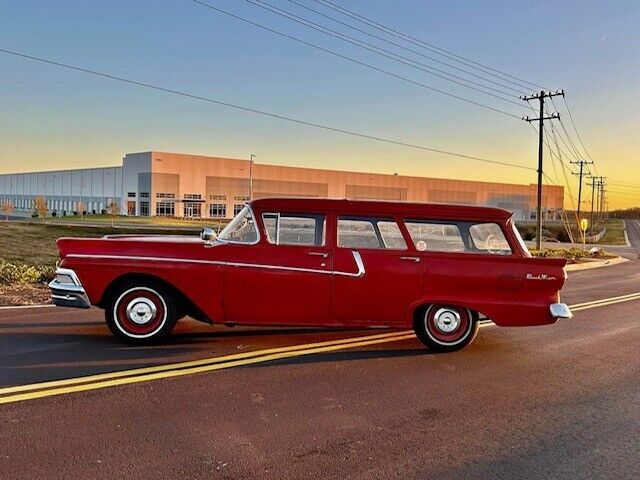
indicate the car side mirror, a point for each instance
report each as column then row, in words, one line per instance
column 208, row 235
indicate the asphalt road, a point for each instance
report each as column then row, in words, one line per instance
column 560, row 401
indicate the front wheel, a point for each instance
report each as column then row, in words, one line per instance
column 141, row 314
column 446, row 327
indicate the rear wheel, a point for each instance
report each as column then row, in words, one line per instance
column 142, row 313
column 446, row 327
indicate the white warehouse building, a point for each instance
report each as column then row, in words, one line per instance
column 64, row 190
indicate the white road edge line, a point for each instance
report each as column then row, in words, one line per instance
column 23, row 307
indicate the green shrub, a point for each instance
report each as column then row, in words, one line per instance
column 12, row 273
column 572, row 254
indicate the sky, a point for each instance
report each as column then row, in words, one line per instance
column 54, row 118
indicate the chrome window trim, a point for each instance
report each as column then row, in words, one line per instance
column 253, row 217
column 266, row 232
column 356, row 257
column 278, row 216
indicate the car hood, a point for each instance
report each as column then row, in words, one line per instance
column 165, row 246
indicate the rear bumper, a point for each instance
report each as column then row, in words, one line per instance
column 67, row 291
column 560, row 310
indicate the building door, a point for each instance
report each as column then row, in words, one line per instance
column 192, row 210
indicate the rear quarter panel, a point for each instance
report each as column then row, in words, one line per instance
column 511, row 290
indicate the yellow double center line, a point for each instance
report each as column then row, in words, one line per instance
column 105, row 380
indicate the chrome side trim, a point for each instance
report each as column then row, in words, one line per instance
column 356, row 257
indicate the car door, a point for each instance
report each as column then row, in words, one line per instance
column 286, row 278
column 392, row 273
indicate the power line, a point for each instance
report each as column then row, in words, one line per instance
column 259, row 112
column 576, row 130
column 353, row 60
column 428, row 46
column 403, row 47
column 381, row 51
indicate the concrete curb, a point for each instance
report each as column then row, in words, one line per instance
column 576, row 267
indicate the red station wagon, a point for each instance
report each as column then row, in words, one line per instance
column 438, row 269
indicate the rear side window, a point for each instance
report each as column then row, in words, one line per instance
column 488, row 238
column 454, row 236
column 370, row 233
column 294, row 229
column 435, row 237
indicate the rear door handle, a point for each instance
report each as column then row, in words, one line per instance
column 412, row 259
column 318, row 254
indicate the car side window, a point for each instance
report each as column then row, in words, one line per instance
column 294, row 229
column 356, row 232
column 489, row 238
column 435, row 237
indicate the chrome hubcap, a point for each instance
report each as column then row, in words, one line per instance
column 141, row 311
column 447, row 320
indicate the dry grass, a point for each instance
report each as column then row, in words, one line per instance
column 35, row 243
column 24, row 294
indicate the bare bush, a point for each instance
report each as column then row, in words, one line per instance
column 7, row 208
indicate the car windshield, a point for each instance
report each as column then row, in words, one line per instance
column 242, row 229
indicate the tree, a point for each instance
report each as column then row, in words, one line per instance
column 40, row 206
column 113, row 209
column 7, row 208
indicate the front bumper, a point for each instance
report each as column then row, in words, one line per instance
column 67, row 291
column 560, row 310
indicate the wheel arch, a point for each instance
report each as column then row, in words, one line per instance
column 185, row 305
column 417, row 310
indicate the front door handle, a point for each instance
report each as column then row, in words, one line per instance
column 319, row 254
column 411, row 259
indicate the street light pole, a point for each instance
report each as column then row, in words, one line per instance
column 251, row 157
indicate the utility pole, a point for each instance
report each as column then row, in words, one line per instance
column 581, row 172
column 540, row 96
column 251, row 157
column 602, row 197
column 593, row 192
column 597, row 183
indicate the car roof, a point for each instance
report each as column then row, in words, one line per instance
column 381, row 207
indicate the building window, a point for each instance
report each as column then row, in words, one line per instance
column 217, row 197
column 217, row 210
column 144, row 194
column 131, row 194
column 241, row 198
column 165, row 209
column 237, row 208
column 165, row 195
column 144, row 209
column 192, row 196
